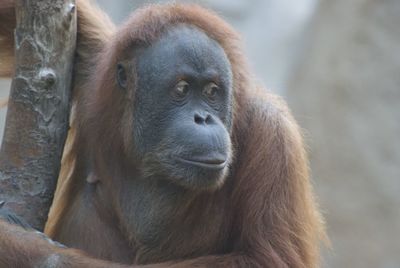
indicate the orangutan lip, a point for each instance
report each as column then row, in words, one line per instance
column 205, row 163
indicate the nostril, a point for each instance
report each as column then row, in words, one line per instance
column 198, row 119
column 208, row 119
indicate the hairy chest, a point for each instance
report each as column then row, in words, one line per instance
column 166, row 223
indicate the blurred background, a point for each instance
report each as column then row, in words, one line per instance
column 337, row 63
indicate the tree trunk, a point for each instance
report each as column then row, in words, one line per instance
column 38, row 109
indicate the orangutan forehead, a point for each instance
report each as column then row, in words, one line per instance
column 187, row 44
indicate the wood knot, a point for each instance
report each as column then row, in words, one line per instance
column 48, row 77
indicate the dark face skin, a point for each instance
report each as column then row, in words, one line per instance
column 182, row 114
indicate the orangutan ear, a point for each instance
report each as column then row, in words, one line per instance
column 122, row 78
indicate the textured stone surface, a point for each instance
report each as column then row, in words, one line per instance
column 346, row 94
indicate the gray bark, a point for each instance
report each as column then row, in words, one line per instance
column 38, row 109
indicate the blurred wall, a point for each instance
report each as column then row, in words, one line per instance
column 4, row 90
column 346, row 94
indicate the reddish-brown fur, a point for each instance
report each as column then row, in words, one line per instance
column 271, row 219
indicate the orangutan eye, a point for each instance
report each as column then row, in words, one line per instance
column 181, row 89
column 210, row 90
column 121, row 76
